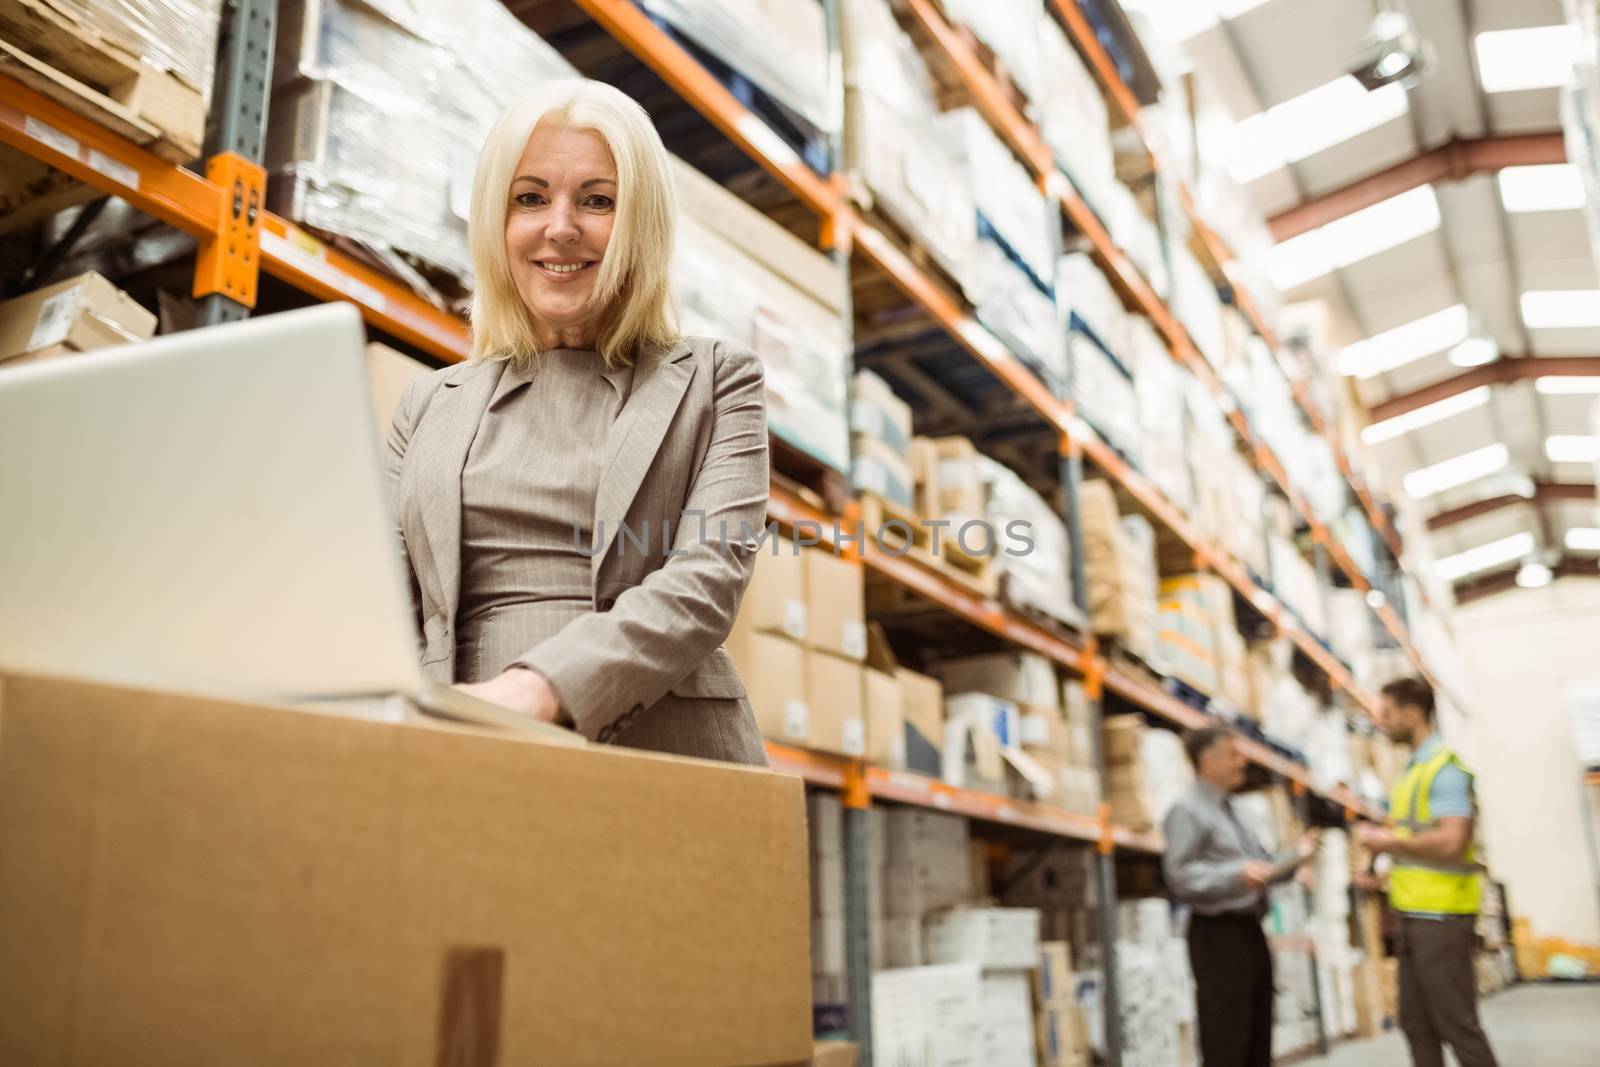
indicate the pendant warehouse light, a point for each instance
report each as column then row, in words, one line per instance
column 1535, row 575
column 1394, row 53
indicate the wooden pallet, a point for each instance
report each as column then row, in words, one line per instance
column 30, row 191
column 902, row 531
column 71, row 62
column 877, row 300
column 950, row 89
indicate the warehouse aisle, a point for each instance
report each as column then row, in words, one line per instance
column 1531, row 1026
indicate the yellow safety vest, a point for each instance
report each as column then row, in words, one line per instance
column 1419, row 885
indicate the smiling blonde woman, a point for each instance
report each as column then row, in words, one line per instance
column 580, row 503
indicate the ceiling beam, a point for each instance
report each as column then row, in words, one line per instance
column 1488, row 585
column 1544, row 493
column 1453, row 161
column 1503, row 371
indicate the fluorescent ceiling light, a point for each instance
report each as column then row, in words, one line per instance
column 1561, row 309
column 1183, row 19
column 1567, row 386
column 1406, row 344
column 1310, row 123
column 1572, row 448
column 1355, row 237
column 1584, row 539
column 1456, row 472
column 1539, row 57
column 1547, row 187
column 1535, row 576
column 1475, row 352
column 1473, row 560
column 1389, row 429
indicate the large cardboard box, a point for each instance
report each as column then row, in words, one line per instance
column 191, row 881
column 78, row 315
column 834, row 690
column 774, row 672
column 390, row 374
column 836, row 605
column 922, row 704
column 775, row 599
column 1018, row 676
column 886, row 737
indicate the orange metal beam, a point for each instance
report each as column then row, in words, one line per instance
column 1449, row 162
column 1503, row 371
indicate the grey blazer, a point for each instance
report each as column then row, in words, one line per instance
column 688, row 453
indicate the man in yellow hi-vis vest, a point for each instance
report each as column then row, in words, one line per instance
column 1434, row 883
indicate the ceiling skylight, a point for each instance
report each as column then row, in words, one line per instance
column 1538, row 57
column 1506, row 550
column 1406, row 344
column 1355, row 237
column 1457, row 471
column 1572, row 448
column 1310, row 123
column 1389, row 429
column 1561, row 309
column 1547, row 187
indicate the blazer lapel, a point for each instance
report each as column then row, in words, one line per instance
column 660, row 380
column 458, row 413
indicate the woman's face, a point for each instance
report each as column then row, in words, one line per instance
column 563, row 204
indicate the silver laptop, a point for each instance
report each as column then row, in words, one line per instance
column 206, row 512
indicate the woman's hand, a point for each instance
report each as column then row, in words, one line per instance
column 519, row 689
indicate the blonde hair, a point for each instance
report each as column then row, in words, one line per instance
column 633, row 280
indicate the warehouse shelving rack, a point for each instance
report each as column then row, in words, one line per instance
column 238, row 239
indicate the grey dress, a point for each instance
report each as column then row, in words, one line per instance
column 527, row 498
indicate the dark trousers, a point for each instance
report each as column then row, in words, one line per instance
column 1439, row 991
column 1233, row 990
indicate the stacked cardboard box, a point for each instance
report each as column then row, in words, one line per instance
column 1071, row 113
column 1186, row 644
column 798, row 644
column 782, row 47
column 740, row 277
column 1106, row 396
column 880, row 440
column 1059, row 1026
column 1005, row 196
column 1013, row 306
column 896, row 159
column 378, row 114
column 1157, row 994
column 81, row 314
column 828, row 991
column 981, row 733
column 1034, row 556
column 1121, row 575
column 1061, row 885
column 928, row 1016
column 1060, row 741
column 1127, row 778
column 1083, row 289
column 925, row 869
column 1162, row 385
column 949, row 479
column 1004, row 944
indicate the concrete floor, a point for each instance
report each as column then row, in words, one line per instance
column 1530, row 1026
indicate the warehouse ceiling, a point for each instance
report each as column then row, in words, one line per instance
column 1421, row 233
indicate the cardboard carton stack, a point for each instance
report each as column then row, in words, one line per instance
column 828, row 990
column 81, row 314
column 798, row 644
column 982, row 734
column 949, row 477
column 1061, row 741
column 1061, row 885
column 1036, row 577
column 1004, row 944
column 1127, row 778
column 1011, row 304
column 926, row 868
column 1059, row 1026
column 1157, row 993
column 1105, row 389
column 1186, row 646
column 1162, row 385
column 1004, row 194
column 896, row 159
column 928, row 1016
column 880, row 440
column 1121, row 575
column 741, row 277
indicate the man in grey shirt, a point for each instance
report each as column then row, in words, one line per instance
column 1214, row 864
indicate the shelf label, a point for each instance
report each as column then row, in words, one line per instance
column 48, row 135
column 116, row 170
column 319, row 268
column 796, row 719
